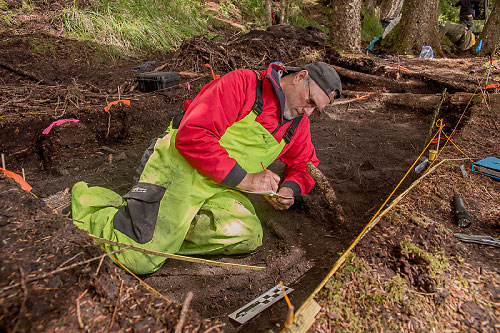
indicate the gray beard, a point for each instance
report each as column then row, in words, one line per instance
column 287, row 113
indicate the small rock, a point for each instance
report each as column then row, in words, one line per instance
column 121, row 156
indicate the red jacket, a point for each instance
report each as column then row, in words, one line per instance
column 227, row 100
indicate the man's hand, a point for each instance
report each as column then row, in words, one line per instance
column 281, row 203
column 260, row 181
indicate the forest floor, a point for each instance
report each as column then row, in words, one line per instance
column 407, row 273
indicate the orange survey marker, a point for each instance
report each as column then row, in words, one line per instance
column 213, row 74
column 492, row 86
column 124, row 101
column 18, row 179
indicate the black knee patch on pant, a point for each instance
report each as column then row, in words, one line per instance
column 138, row 218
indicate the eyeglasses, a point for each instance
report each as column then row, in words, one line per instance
column 309, row 101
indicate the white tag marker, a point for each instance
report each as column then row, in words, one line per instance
column 251, row 309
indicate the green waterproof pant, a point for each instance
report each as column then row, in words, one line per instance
column 175, row 209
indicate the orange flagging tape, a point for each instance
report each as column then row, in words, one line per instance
column 213, row 74
column 364, row 96
column 18, row 179
column 124, row 101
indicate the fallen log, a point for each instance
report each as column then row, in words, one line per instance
column 441, row 82
column 382, row 83
column 405, row 100
column 327, row 190
column 25, row 74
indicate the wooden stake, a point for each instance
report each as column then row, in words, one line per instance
column 434, row 117
column 3, row 161
column 24, row 176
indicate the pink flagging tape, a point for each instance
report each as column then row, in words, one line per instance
column 57, row 123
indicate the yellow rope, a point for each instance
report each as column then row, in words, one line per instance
column 138, row 278
column 373, row 220
column 449, row 139
column 176, row 256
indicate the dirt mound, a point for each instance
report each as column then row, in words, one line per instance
column 256, row 49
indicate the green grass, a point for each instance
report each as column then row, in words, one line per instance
column 45, row 47
column 9, row 11
column 133, row 27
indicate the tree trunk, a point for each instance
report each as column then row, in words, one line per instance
column 418, row 27
column 491, row 31
column 390, row 8
column 268, row 8
column 345, row 28
column 283, row 10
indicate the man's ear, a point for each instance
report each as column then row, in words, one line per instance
column 300, row 76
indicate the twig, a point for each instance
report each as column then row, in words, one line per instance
column 116, row 307
column 214, row 328
column 109, row 124
column 22, row 310
column 78, row 314
column 64, row 263
column 99, row 266
column 59, row 270
column 185, row 308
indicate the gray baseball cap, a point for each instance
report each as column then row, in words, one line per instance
column 324, row 75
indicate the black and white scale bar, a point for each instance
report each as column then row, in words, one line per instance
column 251, row 309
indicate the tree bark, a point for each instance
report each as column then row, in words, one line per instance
column 345, row 28
column 283, row 10
column 390, row 8
column 418, row 27
column 491, row 31
column 268, row 8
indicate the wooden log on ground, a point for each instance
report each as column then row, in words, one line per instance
column 381, row 83
column 327, row 190
column 452, row 85
column 405, row 100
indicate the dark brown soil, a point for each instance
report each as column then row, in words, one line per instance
column 365, row 147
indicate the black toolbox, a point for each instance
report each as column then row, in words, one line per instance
column 151, row 81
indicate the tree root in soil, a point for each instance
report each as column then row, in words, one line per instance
column 327, row 190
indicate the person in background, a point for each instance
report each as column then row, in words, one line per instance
column 467, row 12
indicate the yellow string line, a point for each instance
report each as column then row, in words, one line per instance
column 175, row 256
column 456, row 126
column 449, row 138
column 365, row 230
column 361, row 234
column 138, row 278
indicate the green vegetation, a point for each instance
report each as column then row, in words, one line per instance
column 437, row 261
column 447, row 11
column 46, row 47
column 9, row 11
column 251, row 10
column 135, row 26
column 370, row 25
